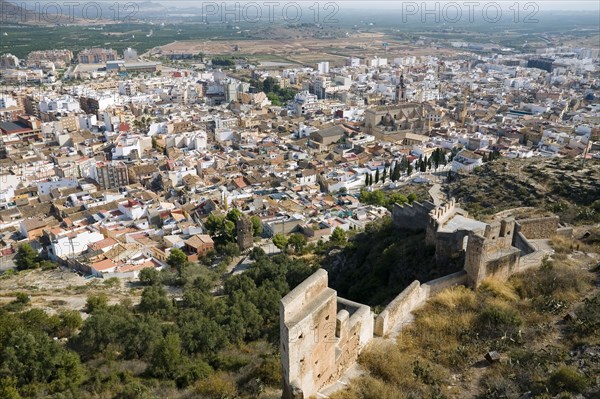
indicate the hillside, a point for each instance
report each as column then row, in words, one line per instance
column 561, row 186
column 380, row 262
column 544, row 324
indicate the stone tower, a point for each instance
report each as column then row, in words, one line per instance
column 308, row 337
column 244, row 233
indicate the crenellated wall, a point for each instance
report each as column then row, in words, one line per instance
column 322, row 335
column 436, row 218
column 412, row 216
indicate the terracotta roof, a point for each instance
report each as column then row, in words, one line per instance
column 199, row 240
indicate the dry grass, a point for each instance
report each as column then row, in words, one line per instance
column 369, row 388
column 499, row 289
column 456, row 297
column 558, row 282
column 395, row 374
column 456, row 327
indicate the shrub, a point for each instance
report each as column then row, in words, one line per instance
column 22, row 298
column 113, row 282
column 556, row 281
column 498, row 385
column 495, row 320
column 216, row 386
column 567, row 379
column 95, row 302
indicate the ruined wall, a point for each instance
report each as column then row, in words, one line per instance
column 361, row 316
column 439, row 284
column 474, row 259
column 399, row 309
column 520, row 242
column 412, row 298
column 538, row 228
column 492, row 254
column 354, row 330
column 412, row 216
column 503, row 266
column 449, row 246
column 322, row 335
column 308, row 341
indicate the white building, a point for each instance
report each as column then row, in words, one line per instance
column 46, row 187
column 305, row 102
column 70, row 243
column 377, row 62
column 353, row 62
column 7, row 102
column 8, row 61
column 132, row 209
column 65, row 103
column 466, row 161
column 196, row 140
column 130, row 54
column 323, row 67
column 87, row 122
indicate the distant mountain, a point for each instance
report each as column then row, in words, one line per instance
column 39, row 13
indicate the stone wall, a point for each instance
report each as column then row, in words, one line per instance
column 354, row 330
column 360, row 315
column 413, row 297
column 307, row 332
column 538, row 228
column 502, row 266
column 520, row 242
column 321, row 336
column 399, row 309
column 492, row 254
column 442, row 213
column 412, row 216
column 449, row 246
column 452, row 280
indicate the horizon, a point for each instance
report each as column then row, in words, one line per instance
column 544, row 5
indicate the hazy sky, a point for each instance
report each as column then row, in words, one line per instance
column 544, row 5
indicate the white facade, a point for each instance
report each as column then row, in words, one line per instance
column 45, row 188
column 6, row 102
column 323, row 67
column 130, row 54
column 71, row 245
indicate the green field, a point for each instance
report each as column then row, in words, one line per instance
column 20, row 40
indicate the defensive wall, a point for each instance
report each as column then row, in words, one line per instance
column 322, row 334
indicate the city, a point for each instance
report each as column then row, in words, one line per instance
column 170, row 205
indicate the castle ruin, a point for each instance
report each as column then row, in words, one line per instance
column 322, row 334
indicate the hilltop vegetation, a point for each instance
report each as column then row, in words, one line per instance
column 562, row 186
column 380, row 262
column 200, row 345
